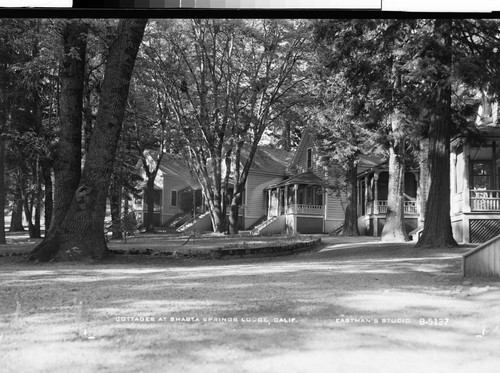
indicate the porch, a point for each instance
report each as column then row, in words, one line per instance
column 300, row 200
column 475, row 188
column 373, row 200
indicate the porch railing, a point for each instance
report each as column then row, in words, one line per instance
column 485, row 200
column 410, row 207
column 305, row 209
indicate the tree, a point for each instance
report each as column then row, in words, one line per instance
column 437, row 229
column 67, row 165
column 149, row 131
column 226, row 82
column 81, row 233
column 363, row 82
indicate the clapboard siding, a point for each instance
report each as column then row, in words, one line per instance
column 301, row 160
column 483, row 260
column 169, row 184
column 335, row 213
column 255, row 204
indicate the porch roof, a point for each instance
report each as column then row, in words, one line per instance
column 307, row 178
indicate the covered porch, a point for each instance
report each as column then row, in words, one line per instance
column 373, row 195
column 475, row 187
column 301, row 200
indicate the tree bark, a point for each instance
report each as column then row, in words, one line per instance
column 150, row 201
column 81, row 233
column 115, row 205
column 437, row 228
column 234, row 211
column 49, row 200
column 67, row 165
column 2, row 191
column 16, row 222
column 150, row 190
column 394, row 227
column 351, row 211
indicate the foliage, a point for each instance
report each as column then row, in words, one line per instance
column 226, row 82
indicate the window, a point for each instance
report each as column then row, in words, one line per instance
column 309, row 158
column 173, row 198
column 482, row 176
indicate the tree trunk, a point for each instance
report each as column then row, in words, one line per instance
column 425, row 178
column 81, row 234
column 216, row 215
column 49, row 201
column 115, row 204
column 2, row 191
column 234, row 209
column 437, row 228
column 16, row 222
column 394, row 227
column 150, row 200
column 67, row 165
column 351, row 212
column 28, row 209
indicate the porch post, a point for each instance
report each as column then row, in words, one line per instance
column 285, row 202
column 466, row 187
column 419, row 198
column 296, row 197
column 366, row 196
column 375, row 196
column 279, row 201
column 466, row 194
column 269, row 207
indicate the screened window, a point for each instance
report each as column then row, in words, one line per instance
column 482, row 175
column 309, row 158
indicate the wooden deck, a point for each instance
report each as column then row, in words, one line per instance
column 484, row 260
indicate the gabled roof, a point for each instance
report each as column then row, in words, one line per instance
column 300, row 149
column 307, row 178
column 370, row 162
column 268, row 160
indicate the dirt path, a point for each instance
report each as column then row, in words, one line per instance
column 347, row 308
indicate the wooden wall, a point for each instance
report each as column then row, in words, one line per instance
column 483, row 260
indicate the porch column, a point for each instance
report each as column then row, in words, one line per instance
column 296, row 197
column 375, row 195
column 466, row 190
column 279, row 201
column 419, row 197
column 285, row 202
column 269, row 207
column 366, row 196
column 325, row 207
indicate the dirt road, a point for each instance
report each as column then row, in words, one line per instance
column 348, row 308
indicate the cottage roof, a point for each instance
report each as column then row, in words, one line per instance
column 268, row 160
column 307, row 178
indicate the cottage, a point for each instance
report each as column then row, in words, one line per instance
column 301, row 203
column 373, row 178
column 475, row 186
column 179, row 201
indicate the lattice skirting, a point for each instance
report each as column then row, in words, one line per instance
column 482, row 230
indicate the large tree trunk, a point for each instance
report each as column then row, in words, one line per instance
column 351, row 211
column 216, row 214
column 2, row 191
column 150, row 201
column 437, row 228
column 16, row 222
column 234, row 209
column 394, row 227
column 116, row 207
column 49, row 200
column 67, row 165
column 81, row 234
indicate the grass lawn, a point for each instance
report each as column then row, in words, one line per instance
column 352, row 306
